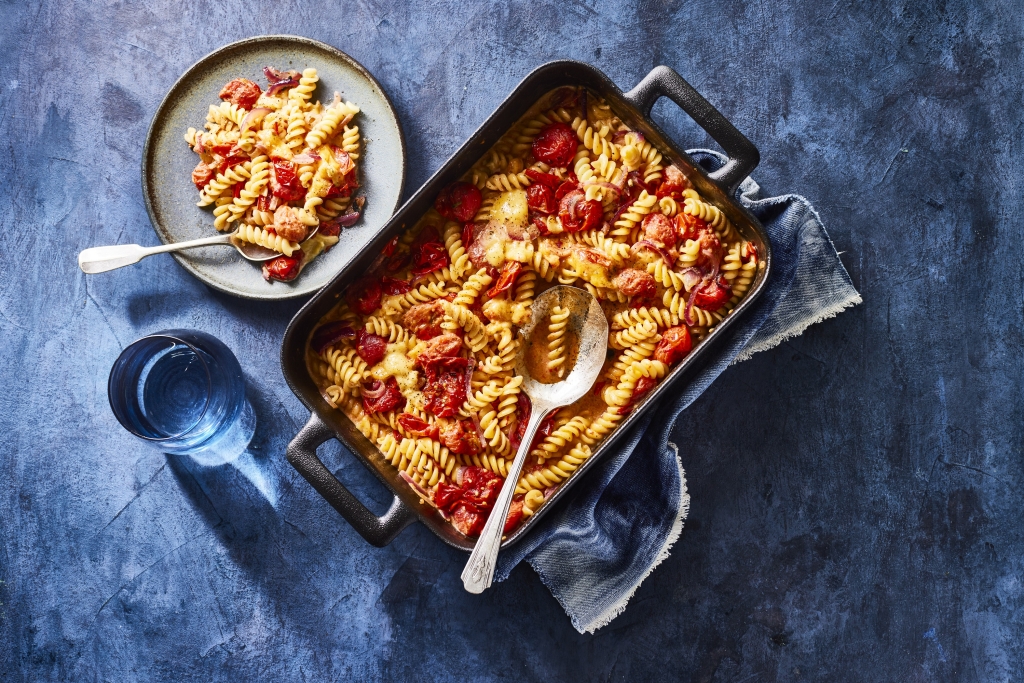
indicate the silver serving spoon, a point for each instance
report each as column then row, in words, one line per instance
column 591, row 326
column 102, row 259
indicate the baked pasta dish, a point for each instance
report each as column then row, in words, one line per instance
column 420, row 354
column 278, row 169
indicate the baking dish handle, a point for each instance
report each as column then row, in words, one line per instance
column 664, row 82
column 378, row 531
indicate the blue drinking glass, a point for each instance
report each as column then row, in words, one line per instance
column 183, row 391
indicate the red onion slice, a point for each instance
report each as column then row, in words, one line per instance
column 329, row 334
column 688, row 313
column 274, row 76
column 691, row 277
column 305, row 157
column 278, row 87
column 347, row 220
column 375, row 390
column 647, row 244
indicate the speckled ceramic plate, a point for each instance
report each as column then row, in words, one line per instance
column 167, row 161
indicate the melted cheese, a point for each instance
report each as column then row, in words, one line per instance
column 511, row 209
column 397, row 364
column 594, row 273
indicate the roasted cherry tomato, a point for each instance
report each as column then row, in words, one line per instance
column 380, row 397
column 371, row 347
column 565, row 188
column 670, row 189
column 515, row 515
column 675, row 345
column 241, row 92
column 283, row 268
column 417, row 426
column 712, row 295
column 392, row 287
column 690, row 227
column 201, row 175
column 365, row 296
column 460, row 436
column 467, row 235
column 447, row 384
column 284, row 183
column 541, row 198
column 555, row 144
column 509, row 272
column 578, row 214
column 459, row 201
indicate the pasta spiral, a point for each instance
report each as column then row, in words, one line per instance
column 557, row 325
column 219, row 185
column 269, row 240
column 470, row 291
column 595, row 141
column 307, row 84
column 633, row 335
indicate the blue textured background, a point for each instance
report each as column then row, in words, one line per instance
column 856, row 492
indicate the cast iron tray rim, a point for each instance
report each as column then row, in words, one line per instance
column 200, row 64
column 641, row 98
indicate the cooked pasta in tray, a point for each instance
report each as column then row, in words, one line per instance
column 278, row 168
column 420, row 353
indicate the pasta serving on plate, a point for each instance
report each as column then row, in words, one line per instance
column 279, row 169
column 421, row 353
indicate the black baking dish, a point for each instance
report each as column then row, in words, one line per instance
column 634, row 108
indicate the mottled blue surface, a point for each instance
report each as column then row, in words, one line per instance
column 856, row 492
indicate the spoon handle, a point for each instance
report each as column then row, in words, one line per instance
column 102, row 259
column 479, row 571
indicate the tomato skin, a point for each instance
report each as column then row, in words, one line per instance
column 241, row 92
column 555, row 144
column 578, row 214
column 459, row 202
column 670, row 189
column 390, row 400
column 418, row 427
column 467, row 235
column 284, row 183
column 428, row 253
column 565, row 188
column 201, row 175
column 547, row 179
column 509, row 272
column 675, row 345
column 690, row 227
column 283, row 268
column 365, row 296
column 515, row 515
column 392, row 287
column 461, row 437
column 541, row 198
column 371, row 347
column 713, row 295
column 469, row 504
column 447, row 384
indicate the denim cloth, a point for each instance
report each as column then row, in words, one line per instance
column 595, row 550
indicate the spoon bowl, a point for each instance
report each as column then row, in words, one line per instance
column 589, row 323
